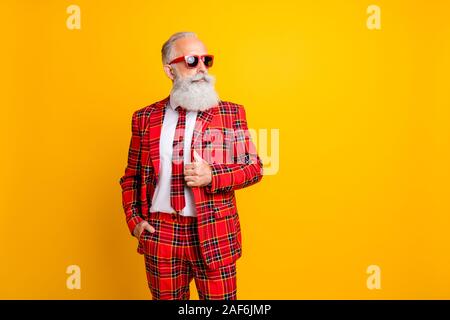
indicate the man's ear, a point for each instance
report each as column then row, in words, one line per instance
column 169, row 71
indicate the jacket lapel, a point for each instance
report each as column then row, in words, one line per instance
column 201, row 124
column 155, row 125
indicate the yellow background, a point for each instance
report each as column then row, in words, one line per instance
column 363, row 117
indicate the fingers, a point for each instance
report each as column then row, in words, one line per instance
column 190, row 172
column 198, row 183
column 196, row 173
column 149, row 228
column 190, row 178
column 192, row 169
column 195, row 168
column 189, row 166
column 145, row 225
column 197, row 157
column 193, row 183
column 138, row 229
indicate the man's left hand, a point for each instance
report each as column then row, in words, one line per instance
column 198, row 173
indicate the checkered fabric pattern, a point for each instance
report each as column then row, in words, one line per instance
column 218, row 225
column 173, row 258
column 177, row 200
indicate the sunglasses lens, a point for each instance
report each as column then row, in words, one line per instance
column 191, row 61
column 208, row 61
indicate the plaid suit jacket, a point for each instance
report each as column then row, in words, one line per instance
column 222, row 138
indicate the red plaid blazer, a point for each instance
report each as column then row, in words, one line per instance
column 221, row 137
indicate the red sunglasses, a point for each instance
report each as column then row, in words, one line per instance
column 191, row 61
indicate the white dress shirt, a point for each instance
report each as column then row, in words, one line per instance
column 161, row 197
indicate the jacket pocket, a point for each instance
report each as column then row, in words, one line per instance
column 140, row 247
column 224, row 210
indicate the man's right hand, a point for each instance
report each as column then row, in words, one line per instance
column 140, row 228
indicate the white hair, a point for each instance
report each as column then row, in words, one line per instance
column 166, row 50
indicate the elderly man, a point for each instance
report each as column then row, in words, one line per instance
column 187, row 155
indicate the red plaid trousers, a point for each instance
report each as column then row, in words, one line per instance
column 173, row 258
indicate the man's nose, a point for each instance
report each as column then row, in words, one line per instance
column 201, row 67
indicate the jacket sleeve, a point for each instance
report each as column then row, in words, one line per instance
column 247, row 168
column 130, row 182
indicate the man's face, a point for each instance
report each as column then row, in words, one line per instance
column 188, row 46
column 193, row 88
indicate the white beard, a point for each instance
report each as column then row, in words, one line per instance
column 194, row 96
